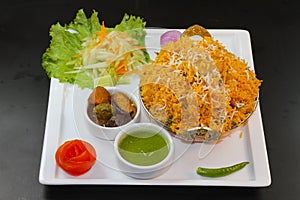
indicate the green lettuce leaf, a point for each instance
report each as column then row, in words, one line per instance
column 58, row 59
column 134, row 26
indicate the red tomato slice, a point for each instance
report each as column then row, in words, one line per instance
column 76, row 157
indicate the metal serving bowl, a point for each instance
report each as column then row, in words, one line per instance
column 196, row 134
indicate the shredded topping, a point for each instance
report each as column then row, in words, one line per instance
column 203, row 85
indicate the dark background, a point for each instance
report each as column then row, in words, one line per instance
column 24, row 35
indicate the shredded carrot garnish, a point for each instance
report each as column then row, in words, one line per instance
column 121, row 69
column 139, row 47
column 241, row 134
column 102, row 34
column 118, row 49
column 77, row 55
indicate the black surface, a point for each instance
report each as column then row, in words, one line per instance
column 24, row 35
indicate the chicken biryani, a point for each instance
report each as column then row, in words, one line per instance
column 199, row 83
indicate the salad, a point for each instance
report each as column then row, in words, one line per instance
column 88, row 54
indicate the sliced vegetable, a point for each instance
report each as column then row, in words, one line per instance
column 169, row 36
column 116, row 55
column 75, row 157
column 83, row 52
column 218, row 172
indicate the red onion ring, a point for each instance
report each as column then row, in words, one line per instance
column 168, row 36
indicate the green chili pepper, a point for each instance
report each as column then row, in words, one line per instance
column 218, row 172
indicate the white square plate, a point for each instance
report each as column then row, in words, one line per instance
column 65, row 121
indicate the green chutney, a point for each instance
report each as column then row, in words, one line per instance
column 143, row 147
